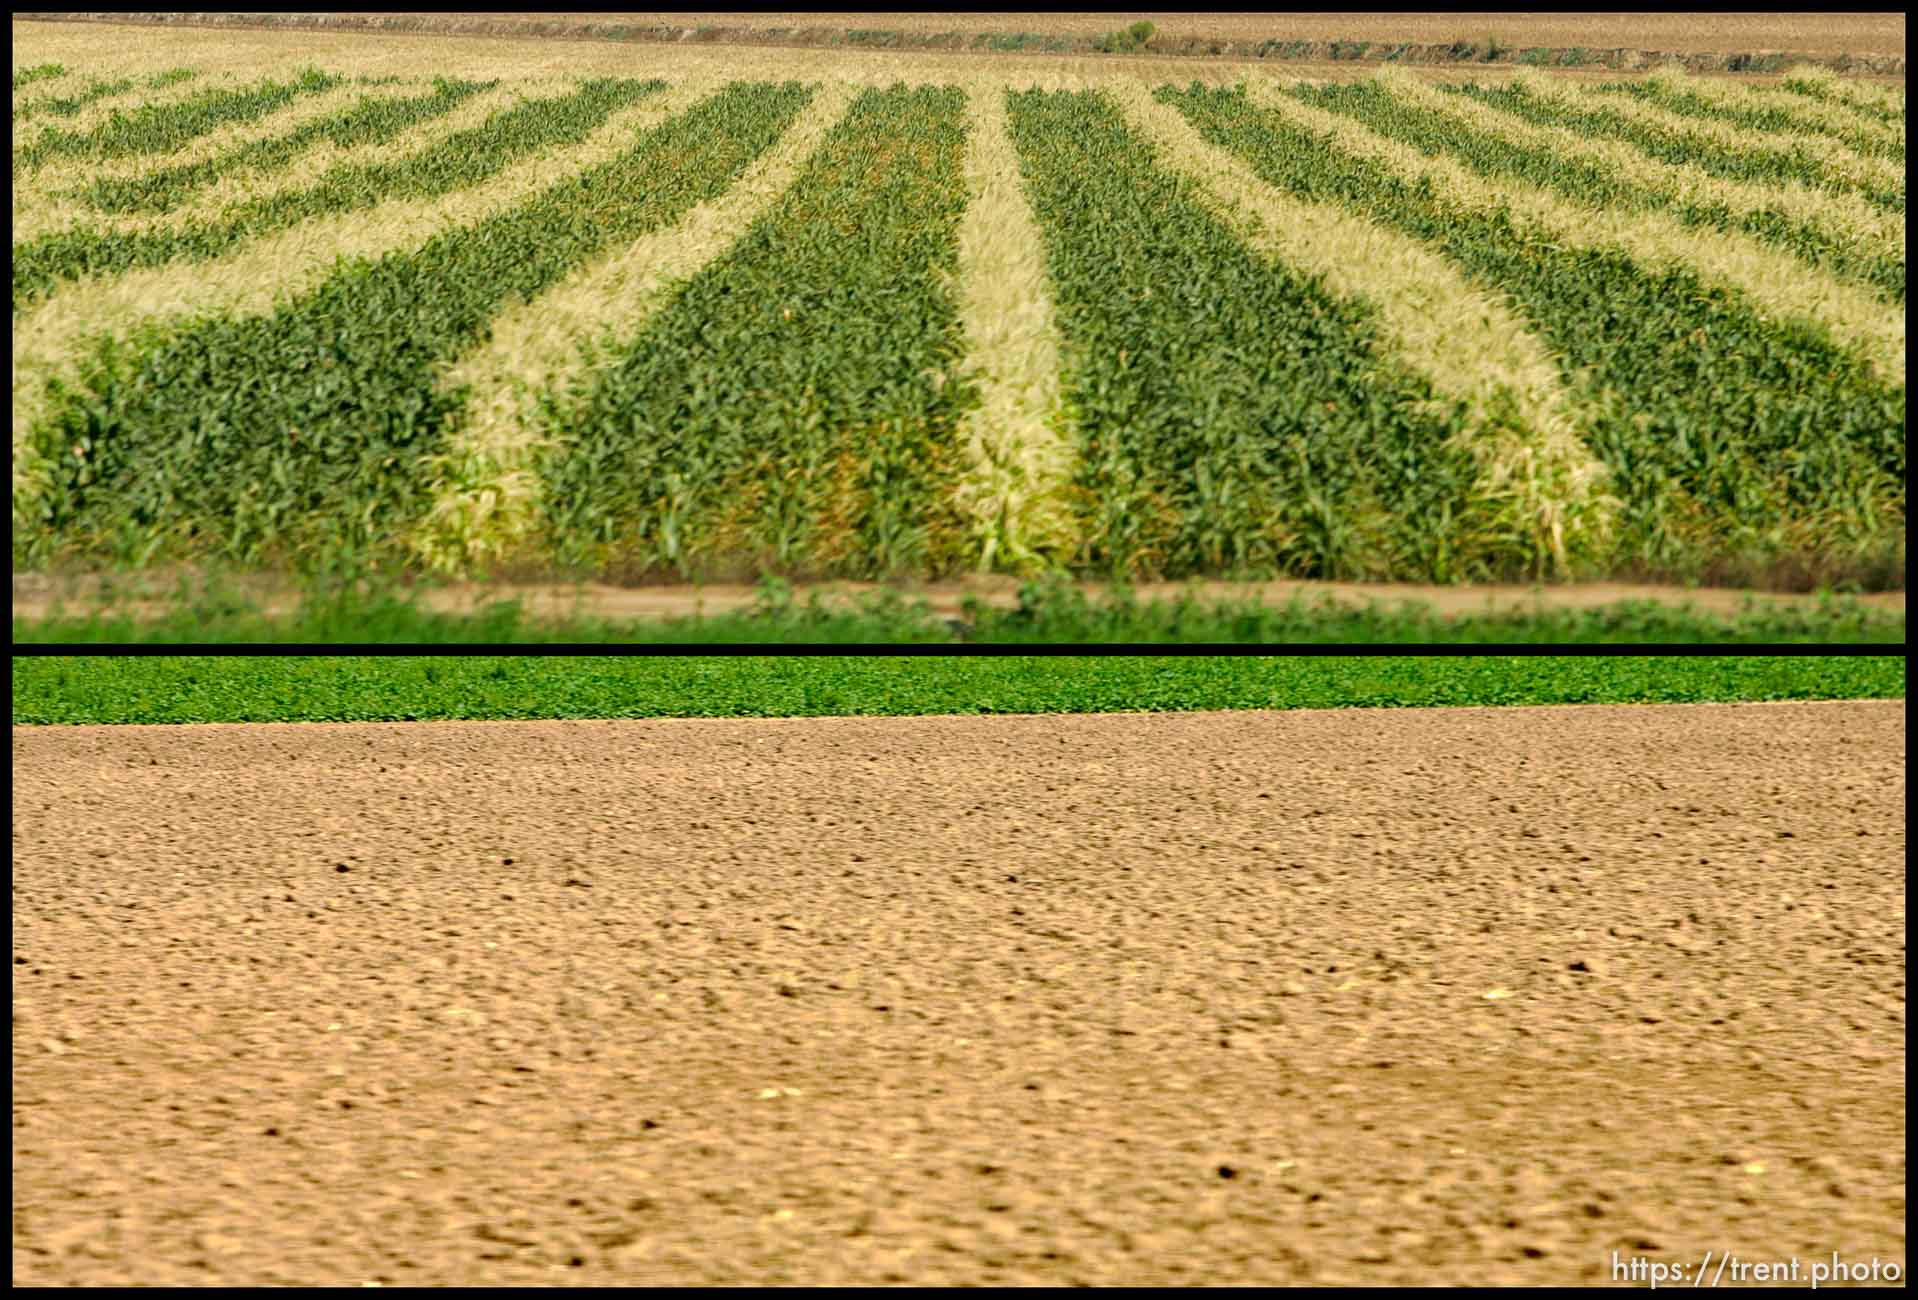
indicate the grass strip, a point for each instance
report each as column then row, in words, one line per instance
column 57, row 198
column 96, row 111
column 68, row 105
column 1838, row 234
column 1736, row 444
column 485, row 490
column 797, row 407
column 1757, row 109
column 314, row 438
column 461, row 160
column 1050, row 612
column 1712, row 147
column 38, row 72
column 1776, row 284
column 1517, row 416
column 1878, row 103
column 1056, row 614
column 1235, row 417
column 374, row 120
column 156, row 689
column 160, row 128
column 54, row 344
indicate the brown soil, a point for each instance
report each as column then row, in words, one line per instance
column 1446, row 996
column 35, row 596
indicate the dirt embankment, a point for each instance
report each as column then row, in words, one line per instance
column 1453, row 996
column 1870, row 44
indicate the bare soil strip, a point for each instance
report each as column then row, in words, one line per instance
column 260, row 51
column 35, row 596
column 1398, row 996
column 1871, row 44
column 1694, row 32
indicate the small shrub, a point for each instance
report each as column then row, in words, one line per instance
column 1129, row 41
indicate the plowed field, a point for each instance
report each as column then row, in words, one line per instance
column 1456, row 996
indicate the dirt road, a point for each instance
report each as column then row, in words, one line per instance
column 36, row 596
column 1206, row 46
column 1805, row 32
column 1446, row 996
column 1874, row 33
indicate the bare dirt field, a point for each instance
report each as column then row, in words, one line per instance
column 1406, row 996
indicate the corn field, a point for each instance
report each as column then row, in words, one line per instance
column 682, row 326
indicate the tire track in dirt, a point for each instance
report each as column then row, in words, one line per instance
column 1126, row 998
